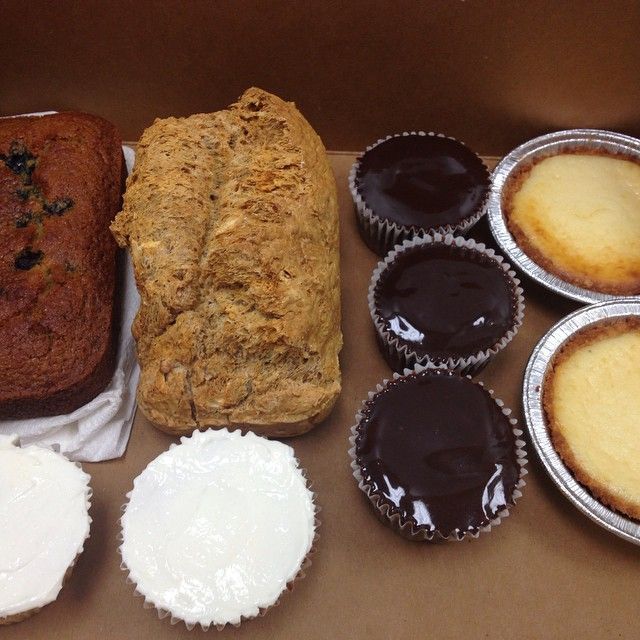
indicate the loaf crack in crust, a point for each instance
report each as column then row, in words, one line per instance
column 232, row 223
column 61, row 177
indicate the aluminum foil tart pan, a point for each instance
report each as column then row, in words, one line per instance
column 547, row 145
column 536, row 425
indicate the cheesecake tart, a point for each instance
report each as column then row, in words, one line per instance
column 592, row 409
column 577, row 215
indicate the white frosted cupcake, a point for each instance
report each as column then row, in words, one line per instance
column 217, row 527
column 44, row 521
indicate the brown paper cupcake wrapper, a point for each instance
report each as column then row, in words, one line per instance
column 23, row 615
column 407, row 529
column 380, row 234
column 400, row 355
column 262, row 611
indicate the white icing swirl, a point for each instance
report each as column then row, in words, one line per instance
column 217, row 526
column 44, row 521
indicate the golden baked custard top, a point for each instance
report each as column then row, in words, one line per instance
column 578, row 216
column 592, row 406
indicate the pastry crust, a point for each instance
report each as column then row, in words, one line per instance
column 232, row 223
column 590, row 264
column 564, row 445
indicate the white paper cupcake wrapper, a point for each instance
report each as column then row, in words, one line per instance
column 399, row 354
column 382, row 508
column 23, row 615
column 381, row 234
column 164, row 613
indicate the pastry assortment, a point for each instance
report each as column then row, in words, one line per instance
column 61, row 178
column 446, row 301
column 580, row 407
column 217, row 527
column 437, row 455
column 44, row 502
column 231, row 220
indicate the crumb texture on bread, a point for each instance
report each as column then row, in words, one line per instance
column 60, row 186
column 231, row 219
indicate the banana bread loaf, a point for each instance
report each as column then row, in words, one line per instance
column 61, row 179
column 232, row 223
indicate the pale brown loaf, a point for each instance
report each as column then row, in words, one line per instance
column 232, row 223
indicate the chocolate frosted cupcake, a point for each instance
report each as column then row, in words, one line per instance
column 446, row 301
column 414, row 183
column 438, row 457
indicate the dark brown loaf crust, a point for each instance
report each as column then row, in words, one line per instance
column 60, row 186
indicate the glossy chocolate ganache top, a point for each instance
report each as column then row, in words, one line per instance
column 424, row 181
column 444, row 300
column 437, row 448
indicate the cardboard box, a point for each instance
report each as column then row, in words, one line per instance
column 492, row 74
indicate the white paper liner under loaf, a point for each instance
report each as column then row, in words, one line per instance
column 23, row 615
column 399, row 353
column 393, row 519
column 164, row 613
column 381, row 234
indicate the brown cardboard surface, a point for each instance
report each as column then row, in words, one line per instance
column 545, row 572
column 489, row 72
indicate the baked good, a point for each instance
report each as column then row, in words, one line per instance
column 577, row 214
column 61, row 177
column 416, row 183
column 232, row 223
column 38, row 547
column 591, row 402
column 437, row 456
column 444, row 300
column 217, row 527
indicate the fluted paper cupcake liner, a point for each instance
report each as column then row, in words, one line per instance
column 163, row 613
column 398, row 353
column 24, row 615
column 388, row 515
column 381, row 234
